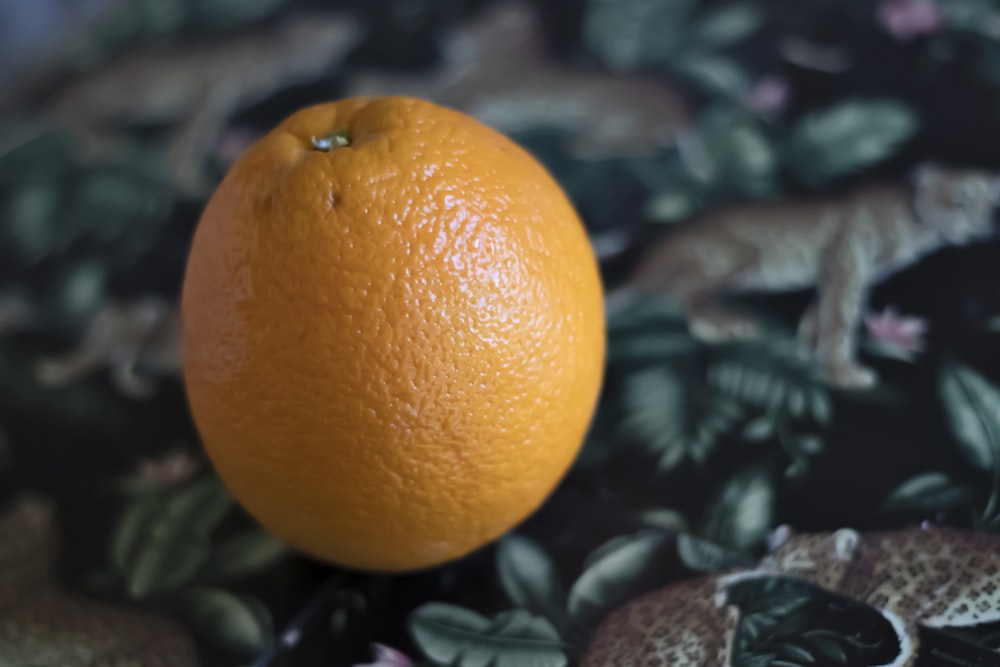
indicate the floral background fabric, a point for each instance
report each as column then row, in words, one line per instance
column 120, row 546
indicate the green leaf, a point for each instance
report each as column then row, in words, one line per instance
column 848, row 137
column 670, row 206
column 726, row 26
column 665, row 519
column 28, row 222
column 715, row 74
column 249, row 553
column 795, row 654
column 531, row 580
column 130, row 529
column 741, row 516
column 762, row 660
column 819, row 403
column 240, row 624
column 77, row 294
column 611, row 546
column 929, row 491
column 718, row 416
column 166, row 563
column 204, row 504
column 749, row 161
column 161, row 547
column 457, row 637
column 761, row 428
column 654, row 400
column 704, row 556
column 973, row 408
column 792, row 626
column 614, row 577
column 829, row 648
column 757, row 387
column 757, row 625
column 800, row 446
column 788, row 605
column 627, row 34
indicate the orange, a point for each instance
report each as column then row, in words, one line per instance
column 393, row 333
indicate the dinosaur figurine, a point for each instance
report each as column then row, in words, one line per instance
column 197, row 87
column 494, row 68
column 842, row 247
column 125, row 337
column 41, row 624
column 928, row 575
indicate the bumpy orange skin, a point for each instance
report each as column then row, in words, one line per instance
column 392, row 350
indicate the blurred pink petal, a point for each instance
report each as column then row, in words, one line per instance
column 897, row 333
column 171, row 470
column 386, row 656
column 906, row 19
column 768, row 94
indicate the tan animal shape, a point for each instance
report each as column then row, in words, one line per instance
column 933, row 576
column 841, row 247
column 122, row 336
column 495, row 68
column 196, row 87
column 41, row 624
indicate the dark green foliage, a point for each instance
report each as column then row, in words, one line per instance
column 971, row 404
column 927, row 492
column 451, row 635
column 241, row 623
column 973, row 408
column 703, row 556
column 169, row 549
column 675, row 38
column 743, row 513
column 531, row 580
column 790, row 624
column 681, row 398
column 851, row 136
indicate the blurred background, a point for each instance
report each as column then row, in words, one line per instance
column 118, row 118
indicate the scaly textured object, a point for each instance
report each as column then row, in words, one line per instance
column 40, row 624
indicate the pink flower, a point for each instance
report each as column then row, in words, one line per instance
column 768, row 94
column 896, row 335
column 171, row 470
column 906, row 19
column 387, row 657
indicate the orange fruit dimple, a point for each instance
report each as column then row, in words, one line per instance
column 393, row 348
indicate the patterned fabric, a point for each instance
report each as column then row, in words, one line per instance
column 770, row 469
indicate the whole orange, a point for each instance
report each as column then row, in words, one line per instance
column 393, row 332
